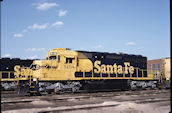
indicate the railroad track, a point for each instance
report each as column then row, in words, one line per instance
column 14, row 98
column 82, row 99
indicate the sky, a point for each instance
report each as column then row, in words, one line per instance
column 30, row 28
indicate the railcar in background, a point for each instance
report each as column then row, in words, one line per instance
column 8, row 79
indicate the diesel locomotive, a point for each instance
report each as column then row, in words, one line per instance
column 7, row 76
column 67, row 70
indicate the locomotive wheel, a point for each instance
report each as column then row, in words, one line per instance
column 75, row 89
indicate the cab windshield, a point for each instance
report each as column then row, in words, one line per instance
column 52, row 58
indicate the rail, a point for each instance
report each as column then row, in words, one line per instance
column 140, row 74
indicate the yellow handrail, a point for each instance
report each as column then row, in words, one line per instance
column 92, row 73
column 84, row 74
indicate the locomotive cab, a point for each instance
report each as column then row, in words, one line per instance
column 57, row 62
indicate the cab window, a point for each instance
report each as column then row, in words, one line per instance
column 69, row 60
column 52, row 58
column 58, row 58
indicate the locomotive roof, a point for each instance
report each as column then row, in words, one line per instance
column 7, row 58
column 107, row 53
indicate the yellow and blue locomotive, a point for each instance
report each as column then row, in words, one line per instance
column 64, row 69
column 7, row 77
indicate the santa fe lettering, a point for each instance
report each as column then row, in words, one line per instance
column 113, row 68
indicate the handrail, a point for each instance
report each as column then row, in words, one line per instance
column 84, row 74
column 137, row 73
column 140, row 73
column 92, row 73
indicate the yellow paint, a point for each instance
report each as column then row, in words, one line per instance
column 167, row 68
